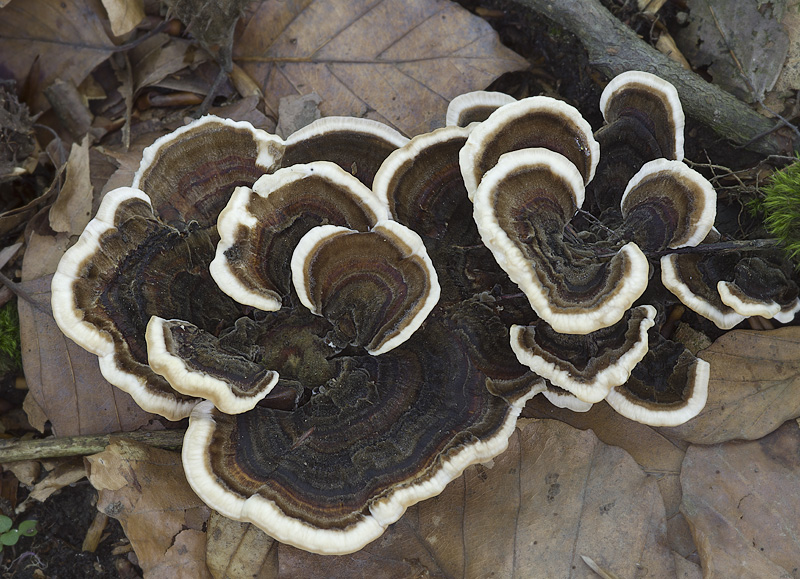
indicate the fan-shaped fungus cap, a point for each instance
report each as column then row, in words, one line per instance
column 271, row 218
column 421, row 183
column 126, row 266
column 388, row 432
column 644, row 123
column 529, row 123
column 651, row 102
column 726, row 288
column 358, row 146
column 587, row 366
column 376, row 288
column 474, row 107
column 667, row 204
column 521, row 208
column 190, row 173
column 667, row 388
column 194, row 364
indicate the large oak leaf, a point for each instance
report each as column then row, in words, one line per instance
column 396, row 61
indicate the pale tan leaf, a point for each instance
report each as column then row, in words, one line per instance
column 657, row 455
column 397, row 61
column 146, row 490
column 64, row 40
column 686, row 569
column 72, row 209
column 124, row 15
column 754, row 387
column 239, row 550
column 69, row 471
column 742, row 502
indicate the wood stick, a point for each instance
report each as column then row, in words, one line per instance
column 614, row 48
column 13, row 450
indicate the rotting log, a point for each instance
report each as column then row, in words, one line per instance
column 35, row 449
column 614, row 48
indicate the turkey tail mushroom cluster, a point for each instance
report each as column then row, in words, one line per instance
column 346, row 301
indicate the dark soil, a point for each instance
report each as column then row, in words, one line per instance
column 55, row 551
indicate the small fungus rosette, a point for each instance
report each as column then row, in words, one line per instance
column 530, row 166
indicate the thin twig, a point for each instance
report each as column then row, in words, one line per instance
column 736, row 245
column 14, row 450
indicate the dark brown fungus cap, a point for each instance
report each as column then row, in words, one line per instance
column 668, row 387
column 644, row 121
column 194, row 364
column 521, row 208
column 190, row 173
column 667, row 205
column 126, row 267
column 375, row 287
column 388, row 432
column 271, row 218
column 474, row 107
column 652, row 103
column 761, row 287
column 421, row 183
column 529, row 123
column 587, row 366
column 726, row 287
column 688, row 277
column 358, row 146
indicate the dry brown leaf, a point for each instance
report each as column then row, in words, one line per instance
column 685, row 569
column 72, row 209
column 66, row 40
column 656, row 454
column 124, row 15
column 557, row 493
column 237, row 549
column 146, row 490
column 160, row 56
column 754, row 387
column 742, row 502
column 69, row 471
column 399, row 62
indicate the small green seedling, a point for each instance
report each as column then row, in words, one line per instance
column 9, row 536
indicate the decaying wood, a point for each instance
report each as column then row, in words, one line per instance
column 14, row 450
column 614, row 48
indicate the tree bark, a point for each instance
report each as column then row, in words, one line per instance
column 614, row 48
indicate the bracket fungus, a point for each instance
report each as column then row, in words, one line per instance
column 375, row 287
column 522, row 207
column 528, row 192
column 727, row 287
column 390, row 393
column 347, row 300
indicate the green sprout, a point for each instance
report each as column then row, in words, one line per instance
column 781, row 208
column 10, row 350
column 10, row 536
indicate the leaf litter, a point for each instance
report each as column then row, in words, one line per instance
column 588, row 489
